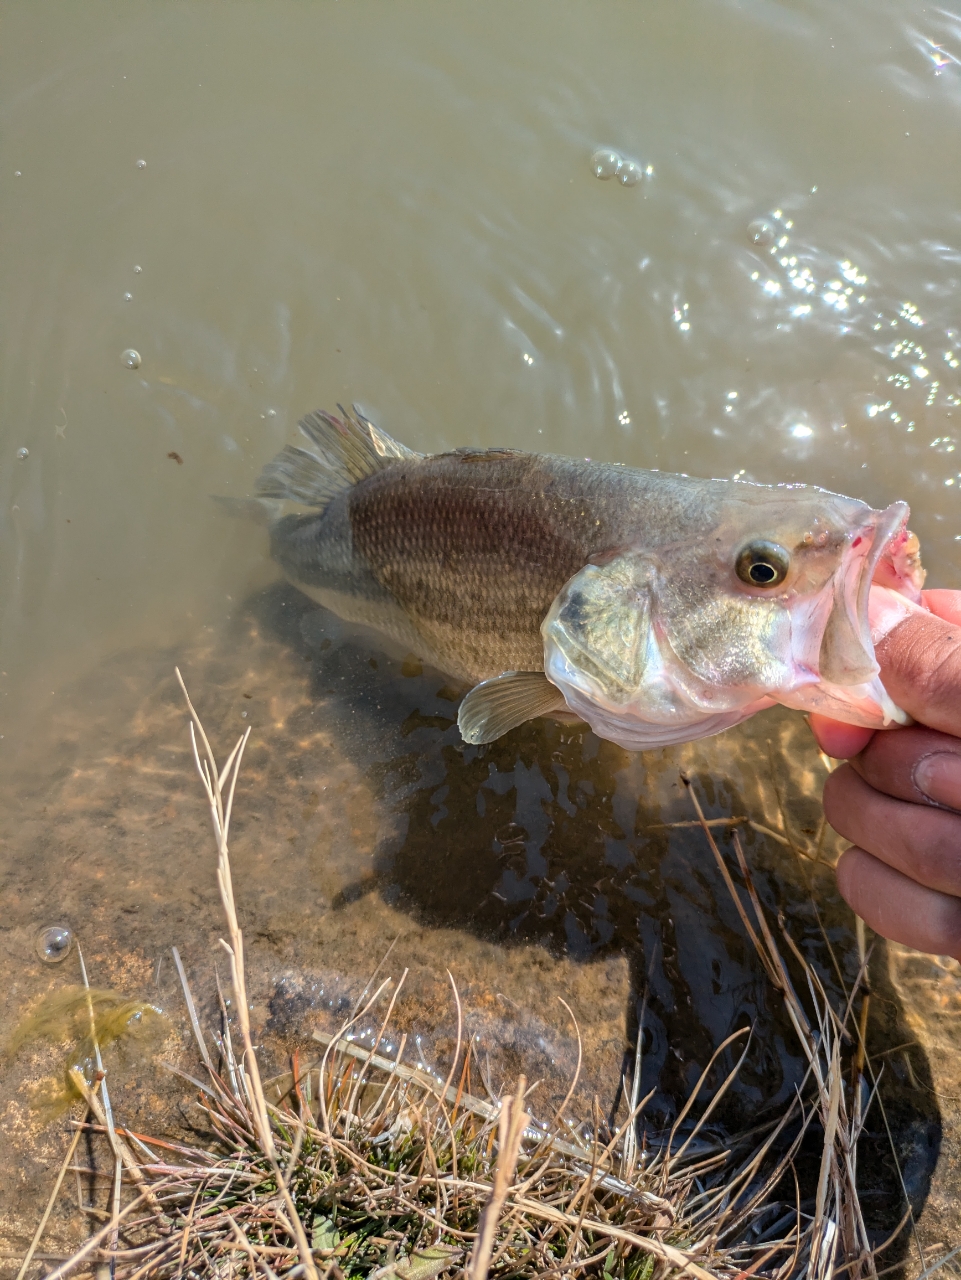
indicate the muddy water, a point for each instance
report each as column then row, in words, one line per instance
column 281, row 208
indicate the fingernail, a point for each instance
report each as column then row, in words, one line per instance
column 939, row 777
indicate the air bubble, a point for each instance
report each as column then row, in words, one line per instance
column 605, row 163
column 628, row 173
column 137, row 270
column 23, row 454
column 54, row 943
column 131, row 358
column 128, row 297
column 761, row 233
column 141, row 164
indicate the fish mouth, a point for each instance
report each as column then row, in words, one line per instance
column 847, row 649
column 880, row 573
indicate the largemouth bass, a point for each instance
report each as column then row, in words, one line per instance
column 658, row 608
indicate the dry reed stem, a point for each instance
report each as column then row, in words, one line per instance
column 122, row 1153
column 512, row 1122
column 90, row 1245
column 213, row 782
column 72, row 1147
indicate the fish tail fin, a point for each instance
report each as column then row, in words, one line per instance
column 345, row 451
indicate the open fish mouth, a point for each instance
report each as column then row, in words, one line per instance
column 878, row 583
column 847, row 650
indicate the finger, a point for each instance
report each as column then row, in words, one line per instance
column 945, row 604
column 899, row 908
column 838, row 739
column 921, row 668
column 922, row 843
column 914, row 764
column 842, row 741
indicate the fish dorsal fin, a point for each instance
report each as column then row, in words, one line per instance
column 298, row 476
column 345, row 451
column 498, row 705
column 385, row 445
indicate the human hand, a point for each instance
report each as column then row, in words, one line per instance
column 898, row 799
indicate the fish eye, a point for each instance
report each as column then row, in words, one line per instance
column 762, row 564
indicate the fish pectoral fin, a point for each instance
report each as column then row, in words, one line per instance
column 498, row 705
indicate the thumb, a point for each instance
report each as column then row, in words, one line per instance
column 920, row 661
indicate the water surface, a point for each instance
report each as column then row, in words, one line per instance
column 279, row 208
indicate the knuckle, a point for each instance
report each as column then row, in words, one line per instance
column 934, row 846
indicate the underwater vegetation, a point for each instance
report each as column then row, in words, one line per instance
column 82, row 1021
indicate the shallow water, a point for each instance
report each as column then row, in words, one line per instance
column 286, row 207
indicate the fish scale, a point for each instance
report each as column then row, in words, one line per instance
column 475, row 551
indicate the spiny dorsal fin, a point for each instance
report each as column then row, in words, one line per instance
column 498, row 705
column 345, row 451
column 385, row 445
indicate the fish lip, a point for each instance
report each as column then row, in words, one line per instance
column 883, row 530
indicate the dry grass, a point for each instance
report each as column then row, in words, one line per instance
column 360, row 1165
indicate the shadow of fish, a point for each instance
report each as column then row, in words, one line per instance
column 659, row 608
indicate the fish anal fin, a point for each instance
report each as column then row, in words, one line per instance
column 496, row 706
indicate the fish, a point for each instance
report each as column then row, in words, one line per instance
column 657, row 608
